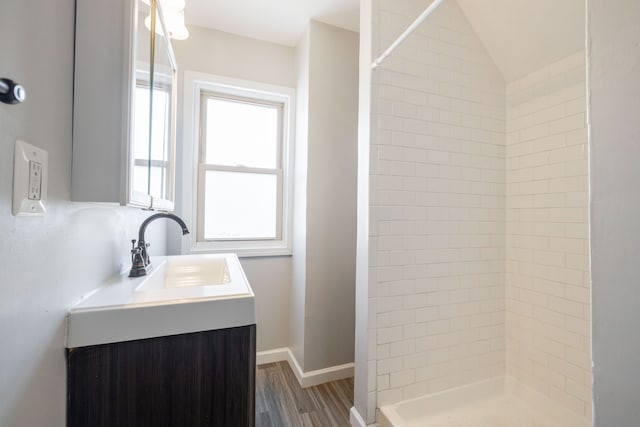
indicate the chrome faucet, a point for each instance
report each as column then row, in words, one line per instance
column 140, row 263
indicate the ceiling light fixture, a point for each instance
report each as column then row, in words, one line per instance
column 173, row 14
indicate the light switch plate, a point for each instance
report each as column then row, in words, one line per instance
column 30, row 172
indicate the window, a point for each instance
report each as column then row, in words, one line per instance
column 150, row 173
column 241, row 165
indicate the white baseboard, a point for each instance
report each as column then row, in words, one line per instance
column 320, row 376
column 305, row 379
column 355, row 419
column 272, row 356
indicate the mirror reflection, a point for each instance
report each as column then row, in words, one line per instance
column 153, row 114
column 161, row 118
column 141, row 104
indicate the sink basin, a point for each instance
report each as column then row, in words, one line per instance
column 182, row 271
column 181, row 294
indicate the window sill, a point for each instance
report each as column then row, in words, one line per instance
column 247, row 251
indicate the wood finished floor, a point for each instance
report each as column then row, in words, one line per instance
column 281, row 402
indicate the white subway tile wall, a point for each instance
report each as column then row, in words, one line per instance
column 477, row 189
column 547, row 273
column 437, row 218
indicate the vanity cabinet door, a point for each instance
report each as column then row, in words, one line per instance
column 202, row 379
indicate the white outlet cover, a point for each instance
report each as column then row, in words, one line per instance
column 26, row 155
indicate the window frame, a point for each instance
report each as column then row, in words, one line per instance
column 143, row 81
column 197, row 87
column 204, row 167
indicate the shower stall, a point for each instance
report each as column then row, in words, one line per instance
column 473, row 289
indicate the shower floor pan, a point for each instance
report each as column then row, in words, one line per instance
column 482, row 404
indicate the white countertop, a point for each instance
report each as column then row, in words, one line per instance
column 126, row 309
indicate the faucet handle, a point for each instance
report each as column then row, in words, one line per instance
column 136, row 251
column 138, row 262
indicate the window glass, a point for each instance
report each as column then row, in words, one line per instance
column 160, row 121
column 241, row 134
column 240, row 205
column 141, row 127
column 141, row 178
column 156, row 167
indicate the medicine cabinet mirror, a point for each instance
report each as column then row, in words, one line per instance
column 124, row 105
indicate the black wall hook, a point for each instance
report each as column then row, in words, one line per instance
column 11, row 92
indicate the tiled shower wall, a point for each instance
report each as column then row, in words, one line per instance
column 437, row 219
column 547, row 280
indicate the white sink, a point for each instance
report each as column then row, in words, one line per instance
column 177, row 272
column 181, row 294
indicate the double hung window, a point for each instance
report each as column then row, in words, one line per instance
column 242, row 134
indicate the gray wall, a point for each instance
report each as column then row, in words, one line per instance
column 219, row 53
column 306, row 301
column 614, row 86
column 48, row 263
column 325, row 221
column 331, row 197
column 299, row 260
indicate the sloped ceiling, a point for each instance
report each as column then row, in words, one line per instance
column 523, row 36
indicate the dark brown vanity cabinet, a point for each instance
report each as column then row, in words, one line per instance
column 201, row 379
